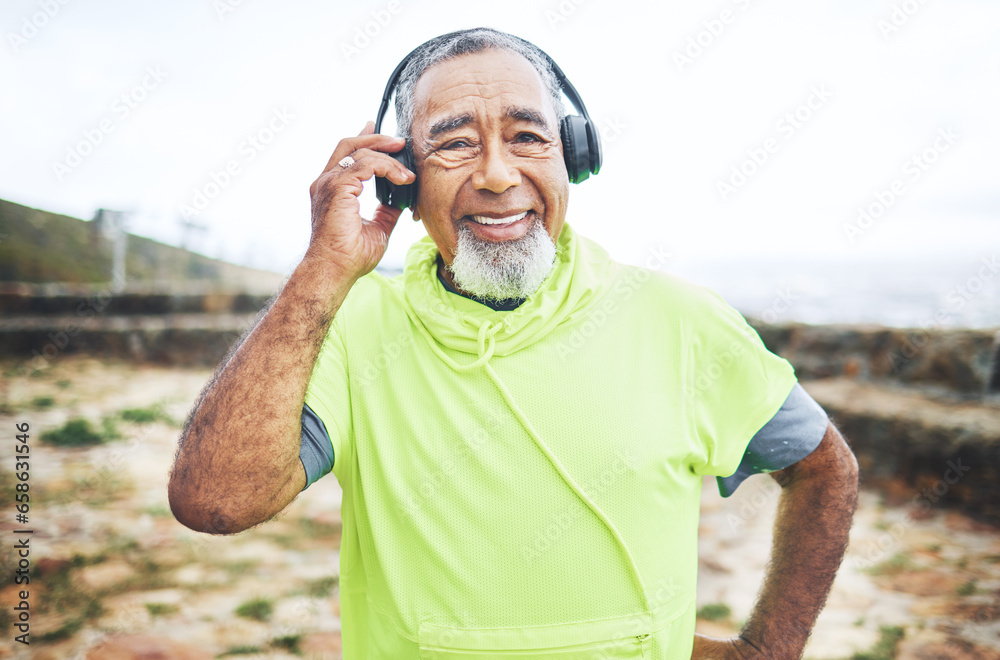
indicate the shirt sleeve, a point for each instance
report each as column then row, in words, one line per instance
column 791, row 435
column 328, row 396
column 735, row 385
column 316, row 449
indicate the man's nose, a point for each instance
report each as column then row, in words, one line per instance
column 496, row 170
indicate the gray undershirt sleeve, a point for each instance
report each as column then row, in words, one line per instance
column 791, row 435
column 316, row 451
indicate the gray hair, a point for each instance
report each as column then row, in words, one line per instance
column 466, row 42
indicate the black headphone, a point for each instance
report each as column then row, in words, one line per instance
column 580, row 140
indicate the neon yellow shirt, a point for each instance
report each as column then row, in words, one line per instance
column 527, row 483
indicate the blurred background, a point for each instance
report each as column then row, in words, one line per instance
column 830, row 168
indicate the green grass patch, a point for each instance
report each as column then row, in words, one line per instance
column 241, row 650
column 966, row 589
column 322, row 587
column 65, row 631
column 161, row 609
column 714, row 612
column 74, row 433
column 8, row 485
column 147, row 415
column 898, row 563
column 885, row 647
column 63, row 384
column 258, row 609
column 64, row 597
column 240, row 567
column 94, row 488
column 42, row 402
column 158, row 511
column 318, row 530
column 288, row 643
column 80, row 433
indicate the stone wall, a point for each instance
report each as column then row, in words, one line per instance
column 965, row 361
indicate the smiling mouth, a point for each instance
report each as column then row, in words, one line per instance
column 484, row 220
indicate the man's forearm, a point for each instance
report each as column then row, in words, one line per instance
column 238, row 461
column 819, row 495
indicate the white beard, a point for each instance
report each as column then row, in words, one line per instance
column 505, row 269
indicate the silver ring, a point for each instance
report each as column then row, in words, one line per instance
column 346, row 162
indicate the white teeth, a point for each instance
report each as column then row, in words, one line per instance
column 483, row 220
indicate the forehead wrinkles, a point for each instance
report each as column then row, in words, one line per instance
column 485, row 92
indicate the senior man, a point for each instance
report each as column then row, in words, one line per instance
column 519, row 424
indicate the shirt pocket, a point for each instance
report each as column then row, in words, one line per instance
column 625, row 637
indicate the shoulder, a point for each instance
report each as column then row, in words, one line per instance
column 644, row 281
column 371, row 291
column 671, row 292
column 372, row 303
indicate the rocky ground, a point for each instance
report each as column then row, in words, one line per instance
column 114, row 576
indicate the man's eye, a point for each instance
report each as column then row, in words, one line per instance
column 527, row 137
column 457, row 144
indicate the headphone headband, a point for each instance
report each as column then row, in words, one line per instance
column 565, row 85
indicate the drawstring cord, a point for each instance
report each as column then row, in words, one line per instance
column 569, row 481
column 487, row 346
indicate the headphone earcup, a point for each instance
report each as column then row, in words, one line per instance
column 577, row 148
column 390, row 194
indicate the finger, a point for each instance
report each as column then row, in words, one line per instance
column 348, row 182
column 347, row 146
column 385, row 220
column 377, row 164
column 369, row 128
column 363, row 154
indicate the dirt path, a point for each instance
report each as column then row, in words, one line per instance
column 110, row 563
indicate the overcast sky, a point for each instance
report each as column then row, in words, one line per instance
column 828, row 107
